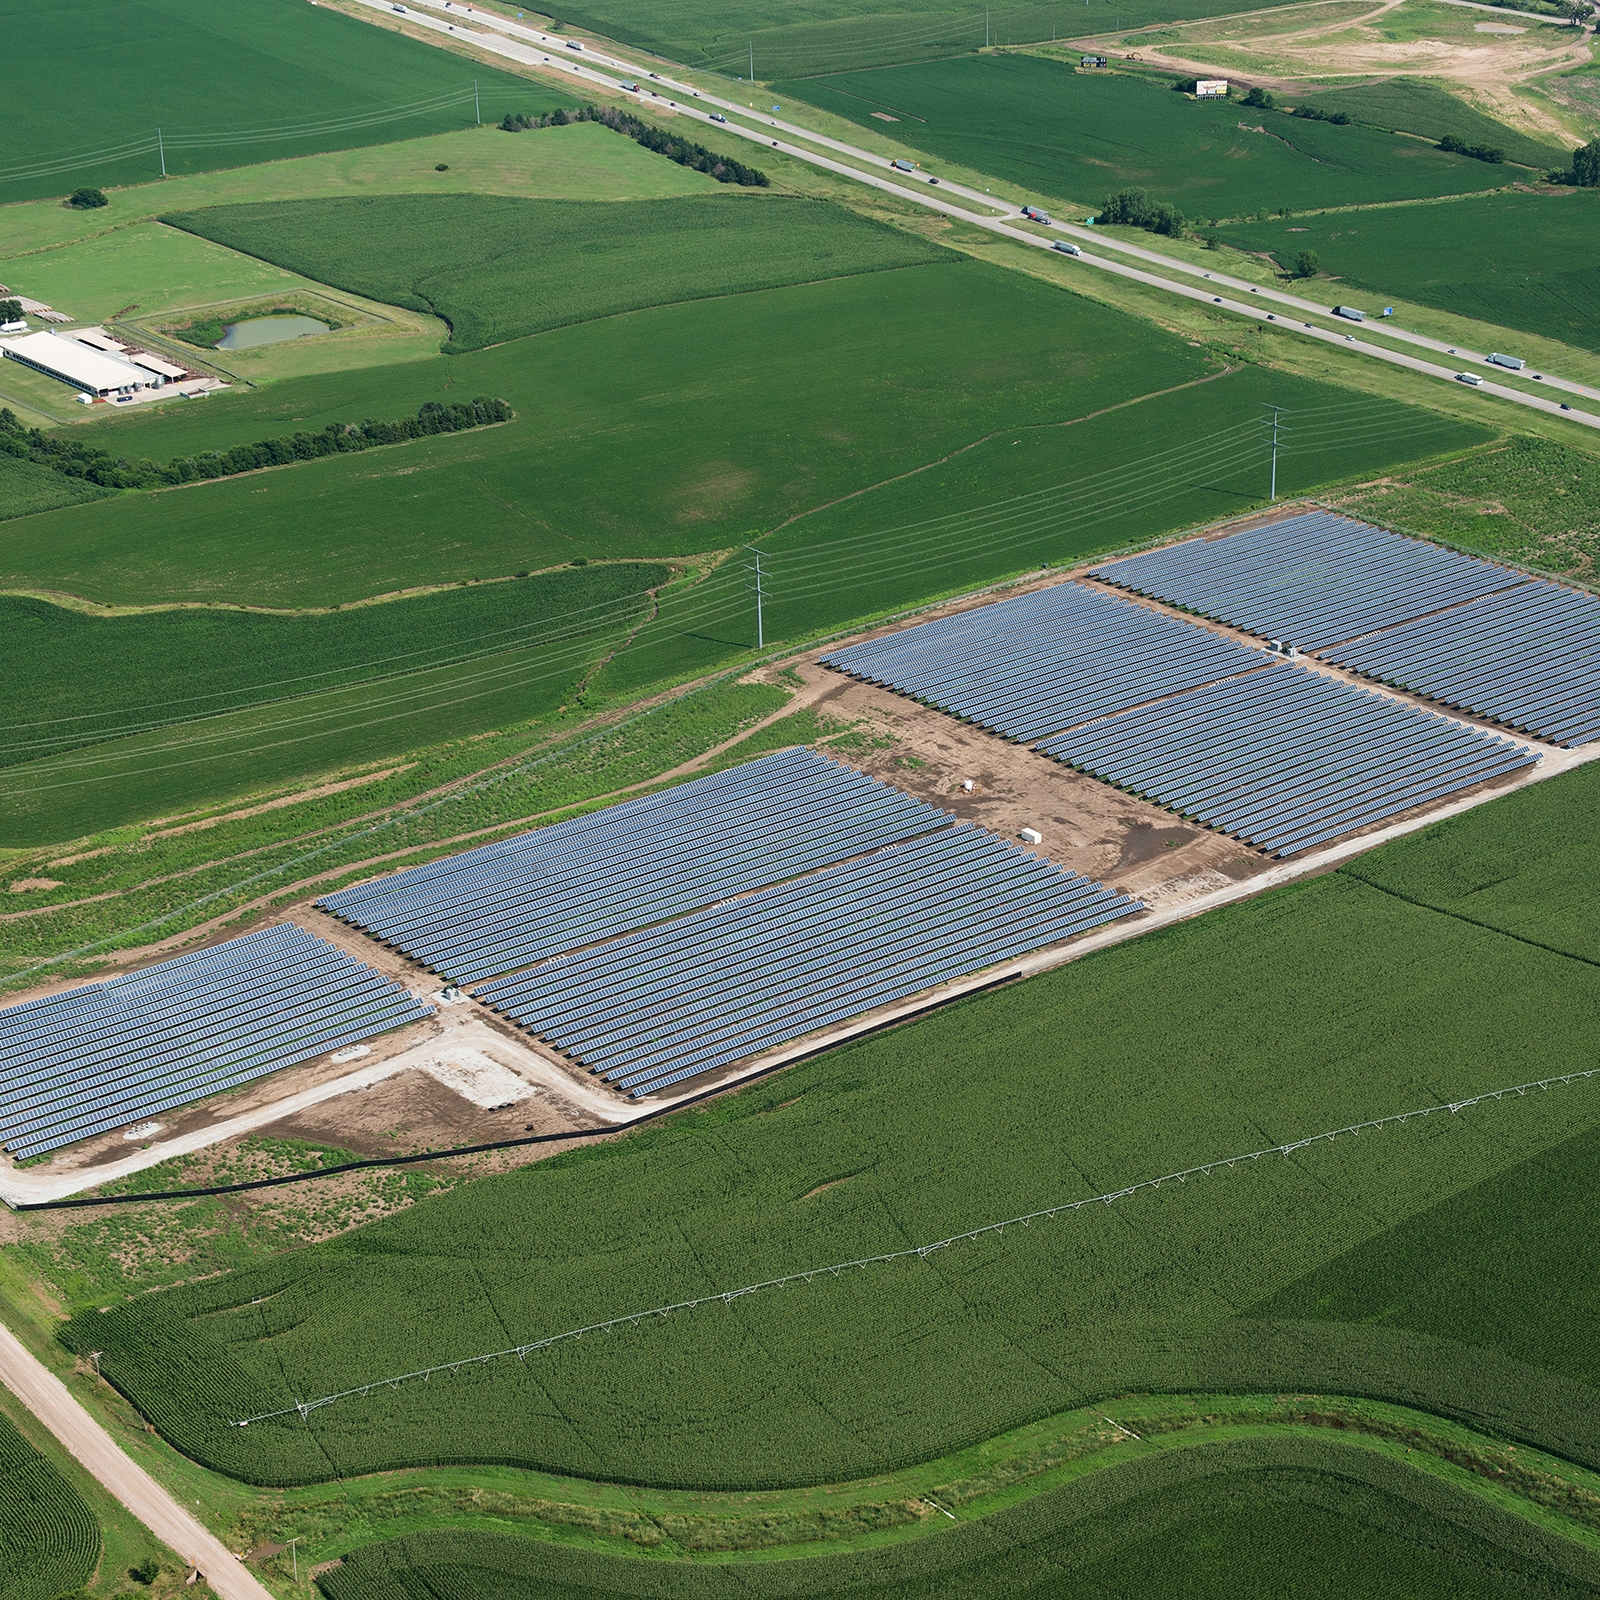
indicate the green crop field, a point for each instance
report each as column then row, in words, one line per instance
column 498, row 269
column 1036, row 495
column 1521, row 261
column 1414, row 105
column 1246, row 1520
column 1295, row 1013
column 284, row 79
column 121, row 718
column 1078, row 136
column 26, row 487
column 668, row 431
column 1532, row 500
column 49, row 1543
column 806, row 36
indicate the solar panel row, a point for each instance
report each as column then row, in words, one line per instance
column 1529, row 658
column 630, row 866
column 1045, row 661
column 1310, row 581
column 92, row 1059
column 1288, row 758
column 670, row 1003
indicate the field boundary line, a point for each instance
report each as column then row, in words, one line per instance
column 304, row 1408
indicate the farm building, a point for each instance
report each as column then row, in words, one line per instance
column 97, row 367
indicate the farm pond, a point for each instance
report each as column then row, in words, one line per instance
column 267, row 330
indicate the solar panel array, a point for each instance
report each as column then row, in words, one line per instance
column 1045, row 661
column 669, row 1003
column 1310, row 581
column 1529, row 658
column 524, row 900
column 1287, row 758
column 92, row 1059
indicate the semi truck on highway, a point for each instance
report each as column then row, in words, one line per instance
column 1034, row 214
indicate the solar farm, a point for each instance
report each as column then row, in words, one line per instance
column 1252, row 735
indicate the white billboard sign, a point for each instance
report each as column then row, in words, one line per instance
column 1210, row 88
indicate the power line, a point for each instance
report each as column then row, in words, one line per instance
column 303, row 1408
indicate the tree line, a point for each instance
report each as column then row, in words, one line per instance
column 684, row 151
column 76, row 459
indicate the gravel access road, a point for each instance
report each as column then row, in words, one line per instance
column 526, row 45
column 49, row 1399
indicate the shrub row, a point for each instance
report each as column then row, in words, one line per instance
column 1340, row 119
column 1478, row 152
column 77, row 459
column 684, row 151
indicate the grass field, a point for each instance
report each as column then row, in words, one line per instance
column 1378, row 1004
column 143, row 268
column 1414, row 105
column 668, row 431
column 285, row 79
column 498, row 269
column 49, row 1542
column 127, row 717
column 582, row 161
column 1077, row 137
column 1530, row 500
column 1516, row 260
column 1245, row 1520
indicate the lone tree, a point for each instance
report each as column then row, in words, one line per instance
column 87, row 199
column 1586, row 166
column 1260, row 97
column 10, row 311
column 1305, row 264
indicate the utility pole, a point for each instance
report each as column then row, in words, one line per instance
column 1274, row 410
column 163, row 151
column 761, row 629
column 477, row 110
column 986, row 27
column 752, row 61
column 294, row 1556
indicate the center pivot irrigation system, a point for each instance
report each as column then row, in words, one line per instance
column 304, row 1408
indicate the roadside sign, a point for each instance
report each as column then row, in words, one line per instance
column 1211, row 88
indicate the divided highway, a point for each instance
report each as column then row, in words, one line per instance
column 527, row 46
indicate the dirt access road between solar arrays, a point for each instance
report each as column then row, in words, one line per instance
column 49, row 1399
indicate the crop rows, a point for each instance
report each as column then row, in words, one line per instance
column 49, row 1541
column 498, row 268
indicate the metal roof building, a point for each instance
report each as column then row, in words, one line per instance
column 92, row 371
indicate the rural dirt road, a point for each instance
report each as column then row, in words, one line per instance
column 49, row 1399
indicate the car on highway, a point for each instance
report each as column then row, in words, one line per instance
column 717, row 116
column 656, row 76
column 1066, row 247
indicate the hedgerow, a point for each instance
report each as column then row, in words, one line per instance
column 725, row 169
column 74, row 458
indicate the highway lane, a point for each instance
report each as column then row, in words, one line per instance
column 49, row 1399
column 527, row 45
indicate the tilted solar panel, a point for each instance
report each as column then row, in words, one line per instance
column 1528, row 658
column 1046, row 661
column 707, row 990
column 94, row 1059
column 1311, row 580
column 630, row 866
column 1288, row 758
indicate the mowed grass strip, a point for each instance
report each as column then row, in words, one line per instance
column 280, row 78
column 1522, row 261
column 1252, row 1519
column 668, row 431
column 1079, row 136
column 1295, row 1013
column 498, row 268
